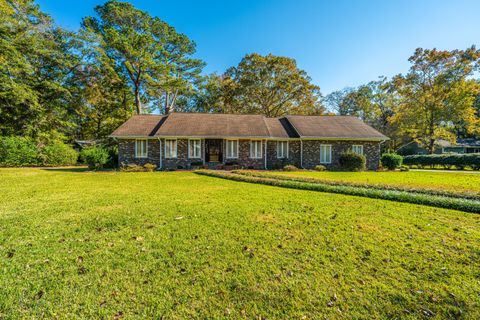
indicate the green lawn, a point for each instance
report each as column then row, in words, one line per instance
column 180, row 245
column 463, row 182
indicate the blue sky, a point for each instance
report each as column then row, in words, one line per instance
column 338, row 43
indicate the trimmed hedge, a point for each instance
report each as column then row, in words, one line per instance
column 352, row 161
column 466, row 205
column 391, row 161
column 433, row 192
column 448, row 161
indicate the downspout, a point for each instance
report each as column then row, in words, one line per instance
column 203, row 153
column 301, row 153
column 265, row 154
column 160, row 152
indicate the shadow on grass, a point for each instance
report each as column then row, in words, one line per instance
column 67, row 169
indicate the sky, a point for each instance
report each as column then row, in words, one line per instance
column 338, row 43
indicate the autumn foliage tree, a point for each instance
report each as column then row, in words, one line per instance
column 268, row 85
column 435, row 94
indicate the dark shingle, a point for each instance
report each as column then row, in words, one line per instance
column 331, row 127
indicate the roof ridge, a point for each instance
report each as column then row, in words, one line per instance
column 266, row 126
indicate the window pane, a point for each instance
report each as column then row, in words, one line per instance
column 170, row 148
column 232, row 148
column 194, row 148
column 357, row 149
column 325, row 154
column 141, row 148
column 282, row 149
column 255, row 149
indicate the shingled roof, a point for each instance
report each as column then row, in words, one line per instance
column 209, row 125
column 333, row 127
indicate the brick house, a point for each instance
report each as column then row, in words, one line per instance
column 180, row 140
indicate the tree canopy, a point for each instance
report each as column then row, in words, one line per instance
column 268, row 85
column 152, row 55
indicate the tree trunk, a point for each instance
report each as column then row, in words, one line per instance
column 137, row 100
column 167, row 108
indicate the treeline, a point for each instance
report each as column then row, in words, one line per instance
column 438, row 98
column 59, row 85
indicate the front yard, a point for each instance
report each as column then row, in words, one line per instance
column 460, row 182
column 179, row 245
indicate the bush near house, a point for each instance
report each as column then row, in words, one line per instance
column 391, row 161
column 447, row 161
column 320, row 168
column 290, row 167
column 95, row 157
column 352, row 161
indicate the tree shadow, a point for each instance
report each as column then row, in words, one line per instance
column 73, row 169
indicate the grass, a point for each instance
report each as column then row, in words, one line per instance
column 440, row 201
column 179, row 245
column 459, row 182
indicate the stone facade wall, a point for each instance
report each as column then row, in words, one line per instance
column 311, row 153
column 126, row 152
column 182, row 161
column 293, row 155
column 244, row 159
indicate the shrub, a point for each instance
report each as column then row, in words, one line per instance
column 290, row 167
column 132, row 167
column 59, row 154
column 18, row 151
column 352, row 161
column 320, row 168
column 400, row 196
column 112, row 157
column 95, row 157
column 149, row 167
column 391, row 161
column 448, row 161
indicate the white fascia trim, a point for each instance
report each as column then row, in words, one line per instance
column 345, row 139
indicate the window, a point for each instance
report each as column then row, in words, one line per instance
column 170, row 148
column 325, row 153
column 255, row 149
column 194, row 148
column 358, row 149
column 232, row 149
column 141, row 148
column 282, row 149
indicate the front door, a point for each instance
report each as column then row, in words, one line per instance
column 213, row 150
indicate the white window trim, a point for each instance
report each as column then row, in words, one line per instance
column 330, row 148
column 288, row 149
column 261, row 149
column 176, row 149
column 358, row 145
column 226, row 148
column 199, row 156
column 146, row 149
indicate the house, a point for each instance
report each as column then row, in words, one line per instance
column 178, row 140
column 468, row 145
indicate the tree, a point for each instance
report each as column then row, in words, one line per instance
column 436, row 93
column 268, row 85
column 156, row 60
column 36, row 61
